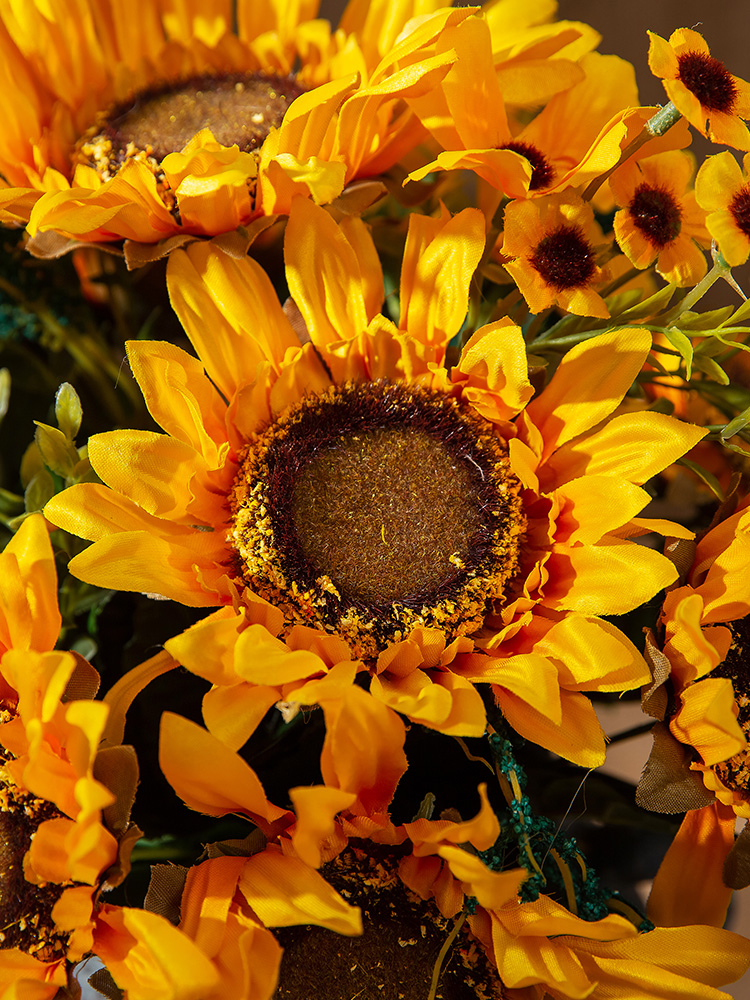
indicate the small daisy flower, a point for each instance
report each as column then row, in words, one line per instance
column 723, row 190
column 659, row 219
column 701, row 88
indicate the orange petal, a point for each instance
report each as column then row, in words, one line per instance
column 688, row 887
column 316, row 808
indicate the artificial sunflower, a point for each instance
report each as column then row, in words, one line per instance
column 150, row 124
column 577, row 136
column 723, row 190
column 659, row 219
column 701, row 88
column 356, row 506
column 393, row 894
column 64, row 804
column 550, row 248
column 702, row 656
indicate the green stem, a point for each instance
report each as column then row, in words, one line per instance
column 657, row 125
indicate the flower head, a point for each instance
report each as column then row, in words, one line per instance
column 705, row 629
column 659, row 219
column 701, row 88
column 265, row 434
column 154, row 127
column 723, row 190
column 549, row 248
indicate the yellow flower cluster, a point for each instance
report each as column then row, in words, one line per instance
column 429, row 355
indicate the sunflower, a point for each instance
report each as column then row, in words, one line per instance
column 659, row 219
column 393, row 894
column 703, row 655
column 358, row 507
column 155, row 125
column 701, row 88
column 723, row 190
column 550, row 249
column 64, row 804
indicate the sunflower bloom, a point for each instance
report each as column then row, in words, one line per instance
column 59, row 851
column 313, row 873
column 659, row 219
column 723, row 191
column 549, row 248
column 475, row 546
column 701, row 88
column 703, row 654
column 179, row 128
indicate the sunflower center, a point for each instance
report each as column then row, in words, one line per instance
column 25, row 909
column 375, row 508
column 709, row 80
column 542, row 171
column 398, row 950
column 239, row 109
column 656, row 214
column 735, row 772
column 564, row 258
column 739, row 208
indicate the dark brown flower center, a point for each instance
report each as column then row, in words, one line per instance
column 708, row 79
column 564, row 258
column 657, row 214
column 739, row 207
column 735, row 772
column 25, row 909
column 542, row 171
column 239, row 109
column 375, row 508
column 398, row 950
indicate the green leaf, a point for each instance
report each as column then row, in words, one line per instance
column 649, row 307
column 735, row 426
column 710, row 480
column 709, row 367
column 683, row 344
column 39, row 491
column 705, row 320
column 4, row 391
column 59, row 454
column 68, row 410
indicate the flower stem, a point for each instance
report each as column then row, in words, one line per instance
column 657, row 125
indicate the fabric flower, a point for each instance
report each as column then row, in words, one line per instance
column 659, row 219
column 356, row 507
column 723, row 190
column 703, row 655
column 338, row 867
column 549, row 249
column 64, row 805
column 700, row 87
column 154, row 126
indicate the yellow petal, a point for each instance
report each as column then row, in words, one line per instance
column 494, row 364
column 149, row 958
column 589, row 383
column 284, row 891
column 208, row 776
column 440, row 258
column 316, row 808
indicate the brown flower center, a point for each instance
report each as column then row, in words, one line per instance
column 564, row 258
column 735, row 772
column 25, row 909
column 239, row 109
column 709, row 80
column 398, row 950
column 657, row 214
column 739, row 208
column 542, row 171
column 375, row 508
